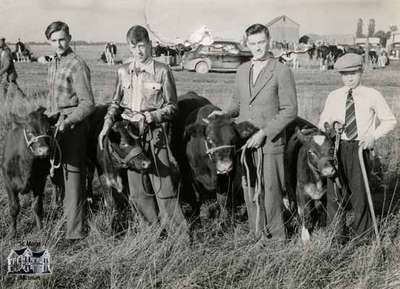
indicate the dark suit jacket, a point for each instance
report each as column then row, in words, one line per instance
column 272, row 103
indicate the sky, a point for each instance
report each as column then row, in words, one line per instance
column 109, row 20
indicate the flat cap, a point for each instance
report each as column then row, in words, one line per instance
column 349, row 62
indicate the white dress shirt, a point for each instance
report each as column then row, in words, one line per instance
column 369, row 105
column 257, row 66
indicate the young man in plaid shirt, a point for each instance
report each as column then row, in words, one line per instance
column 70, row 94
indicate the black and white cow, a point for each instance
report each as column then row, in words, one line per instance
column 309, row 159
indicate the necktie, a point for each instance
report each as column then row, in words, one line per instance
column 351, row 124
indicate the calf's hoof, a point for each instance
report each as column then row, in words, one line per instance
column 305, row 235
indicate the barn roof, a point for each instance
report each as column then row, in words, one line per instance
column 38, row 254
column 276, row 19
column 20, row 251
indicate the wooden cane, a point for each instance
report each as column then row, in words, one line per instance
column 369, row 197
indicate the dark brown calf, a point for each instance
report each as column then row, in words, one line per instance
column 309, row 157
column 26, row 163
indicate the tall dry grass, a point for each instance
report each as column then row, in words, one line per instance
column 217, row 258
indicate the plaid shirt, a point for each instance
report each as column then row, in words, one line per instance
column 70, row 91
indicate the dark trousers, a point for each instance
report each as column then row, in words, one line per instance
column 155, row 194
column 354, row 197
column 270, row 221
column 73, row 147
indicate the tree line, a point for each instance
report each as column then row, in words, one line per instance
column 382, row 35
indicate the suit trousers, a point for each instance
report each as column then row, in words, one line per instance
column 73, row 146
column 271, row 204
column 154, row 194
column 354, row 198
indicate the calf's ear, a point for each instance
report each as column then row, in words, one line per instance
column 246, row 129
column 41, row 109
column 194, row 129
column 17, row 120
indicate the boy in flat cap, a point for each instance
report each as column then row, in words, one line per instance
column 145, row 90
column 356, row 107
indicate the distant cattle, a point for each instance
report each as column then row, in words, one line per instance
column 26, row 163
column 309, row 160
column 328, row 54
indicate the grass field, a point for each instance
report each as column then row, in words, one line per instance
column 219, row 259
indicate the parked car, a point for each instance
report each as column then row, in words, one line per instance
column 219, row 56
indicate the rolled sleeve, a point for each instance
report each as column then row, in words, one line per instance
column 287, row 104
column 83, row 89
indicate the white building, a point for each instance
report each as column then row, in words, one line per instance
column 283, row 29
column 25, row 261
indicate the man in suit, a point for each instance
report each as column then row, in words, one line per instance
column 265, row 95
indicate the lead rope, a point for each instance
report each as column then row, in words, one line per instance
column 55, row 148
column 259, row 182
column 338, row 127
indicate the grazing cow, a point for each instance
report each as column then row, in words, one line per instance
column 309, row 160
column 26, row 163
column 211, row 164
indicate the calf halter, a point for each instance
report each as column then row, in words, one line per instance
column 34, row 139
column 210, row 151
column 134, row 152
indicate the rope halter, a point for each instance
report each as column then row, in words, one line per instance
column 134, row 152
column 34, row 139
column 210, row 151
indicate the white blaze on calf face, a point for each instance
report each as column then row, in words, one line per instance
column 319, row 139
column 314, row 191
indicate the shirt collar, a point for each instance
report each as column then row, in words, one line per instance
column 147, row 66
column 354, row 90
column 67, row 52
